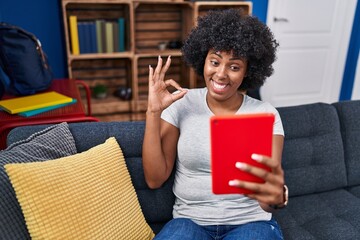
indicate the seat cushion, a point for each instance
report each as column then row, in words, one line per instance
column 50, row 143
column 313, row 156
column 330, row 215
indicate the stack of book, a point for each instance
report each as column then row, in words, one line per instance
column 97, row 36
column 34, row 104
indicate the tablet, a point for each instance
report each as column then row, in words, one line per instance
column 234, row 139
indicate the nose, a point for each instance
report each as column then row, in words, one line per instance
column 221, row 72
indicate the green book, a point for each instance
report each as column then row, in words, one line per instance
column 109, row 37
column 99, row 37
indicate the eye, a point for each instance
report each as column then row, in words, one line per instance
column 214, row 63
column 234, row 68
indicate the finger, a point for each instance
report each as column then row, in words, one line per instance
column 165, row 68
column 157, row 69
column 254, row 187
column 265, row 160
column 151, row 72
column 178, row 95
column 259, row 172
column 173, row 83
column 261, row 192
column 180, row 91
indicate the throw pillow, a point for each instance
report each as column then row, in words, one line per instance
column 85, row 196
column 53, row 142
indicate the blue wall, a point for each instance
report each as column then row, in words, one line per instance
column 260, row 9
column 44, row 19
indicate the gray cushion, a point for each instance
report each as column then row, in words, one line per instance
column 349, row 115
column 313, row 156
column 50, row 143
column 330, row 215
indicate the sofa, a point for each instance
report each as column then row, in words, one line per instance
column 321, row 160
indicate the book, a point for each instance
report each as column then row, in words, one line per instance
column 82, row 37
column 92, row 37
column 103, row 35
column 45, row 109
column 32, row 102
column 116, row 36
column 121, row 23
column 109, row 37
column 87, row 37
column 99, row 37
column 74, row 36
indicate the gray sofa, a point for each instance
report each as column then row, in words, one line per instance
column 321, row 160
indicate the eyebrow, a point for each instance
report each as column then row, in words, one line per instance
column 220, row 56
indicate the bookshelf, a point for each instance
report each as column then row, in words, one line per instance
column 151, row 28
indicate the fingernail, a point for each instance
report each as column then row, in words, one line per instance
column 232, row 183
column 149, row 66
column 240, row 165
column 257, row 157
column 159, row 57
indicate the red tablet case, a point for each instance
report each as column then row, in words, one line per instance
column 234, row 139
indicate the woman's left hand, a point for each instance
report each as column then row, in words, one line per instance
column 271, row 191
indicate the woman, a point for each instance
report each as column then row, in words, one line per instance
column 234, row 53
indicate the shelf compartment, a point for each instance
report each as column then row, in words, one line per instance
column 113, row 73
column 157, row 23
column 91, row 11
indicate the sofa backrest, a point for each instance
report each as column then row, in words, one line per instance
column 313, row 156
column 156, row 204
column 349, row 115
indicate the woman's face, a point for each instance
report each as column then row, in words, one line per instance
column 223, row 74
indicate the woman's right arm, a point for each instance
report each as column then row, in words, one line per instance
column 160, row 137
column 159, row 150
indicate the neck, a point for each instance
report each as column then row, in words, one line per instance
column 226, row 107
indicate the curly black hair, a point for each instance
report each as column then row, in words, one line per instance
column 233, row 31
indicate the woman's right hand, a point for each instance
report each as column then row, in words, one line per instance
column 159, row 97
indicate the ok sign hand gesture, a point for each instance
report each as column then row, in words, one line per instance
column 159, row 97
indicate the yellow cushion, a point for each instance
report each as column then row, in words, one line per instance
column 84, row 196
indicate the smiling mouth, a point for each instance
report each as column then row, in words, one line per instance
column 218, row 86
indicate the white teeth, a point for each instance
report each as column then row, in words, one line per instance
column 219, row 86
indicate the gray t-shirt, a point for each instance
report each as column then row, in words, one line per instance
column 192, row 186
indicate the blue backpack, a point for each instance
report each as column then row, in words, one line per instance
column 24, row 68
